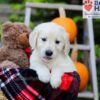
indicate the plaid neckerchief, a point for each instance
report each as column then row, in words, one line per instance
column 15, row 84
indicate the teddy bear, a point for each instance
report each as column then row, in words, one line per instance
column 14, row 40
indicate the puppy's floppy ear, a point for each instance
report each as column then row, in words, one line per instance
column 66, row 45
column 33, row 36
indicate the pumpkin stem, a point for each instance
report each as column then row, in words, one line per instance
column 74, row 53
column 62, row 12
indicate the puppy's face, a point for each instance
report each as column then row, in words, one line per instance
column 50, row 45
column 51, row 41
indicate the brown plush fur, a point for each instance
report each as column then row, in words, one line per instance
column 14, row 41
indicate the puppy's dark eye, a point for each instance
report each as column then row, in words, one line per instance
column 44, row 39
column 57, row 41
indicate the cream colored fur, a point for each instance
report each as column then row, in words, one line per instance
column 50, row 69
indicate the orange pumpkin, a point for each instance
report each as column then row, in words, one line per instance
column 69, row 25
column 84, row 75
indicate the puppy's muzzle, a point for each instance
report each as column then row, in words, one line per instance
column 48, row 53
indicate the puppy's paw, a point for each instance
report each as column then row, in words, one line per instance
column 44, row 76
column 55, row 82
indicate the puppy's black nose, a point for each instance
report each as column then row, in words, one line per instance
column 48, row 53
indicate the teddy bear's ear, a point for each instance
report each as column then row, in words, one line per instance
column 6, row 26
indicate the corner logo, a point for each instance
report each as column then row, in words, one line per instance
column 87, row 5
column 91, row 8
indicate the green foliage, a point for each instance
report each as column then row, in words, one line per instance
column 98, row 78
column 97, row 50
column 16, row 18
column 96, row 24
column 78, row 18
column 36, row 0
column 50, row 1
column 4, row 1
column 23, row 1
column 17, row 6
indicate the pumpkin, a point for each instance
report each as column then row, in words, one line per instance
column 69, row 25
column 84, row 75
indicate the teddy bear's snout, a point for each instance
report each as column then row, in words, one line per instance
column 23, row 38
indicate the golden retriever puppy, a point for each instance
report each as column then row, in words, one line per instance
column 49, row 58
